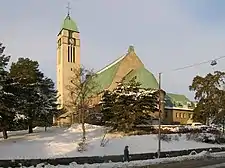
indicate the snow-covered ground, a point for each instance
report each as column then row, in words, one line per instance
column 135, row 163
column 62, row 142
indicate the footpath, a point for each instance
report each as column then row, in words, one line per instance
column 105, row 159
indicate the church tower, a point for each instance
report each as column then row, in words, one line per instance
column 68, row 57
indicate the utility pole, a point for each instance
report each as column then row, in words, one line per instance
column 159, row 131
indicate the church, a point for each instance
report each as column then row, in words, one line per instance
column 178, row 109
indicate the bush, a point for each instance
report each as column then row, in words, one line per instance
column 138, row 132
column 206, row 137
column 163, row 131
column 194, row 136
column 166, row 138
column 176, row 138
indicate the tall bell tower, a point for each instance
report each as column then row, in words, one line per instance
column 68, row 57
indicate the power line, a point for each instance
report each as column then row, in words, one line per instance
column 196, row 64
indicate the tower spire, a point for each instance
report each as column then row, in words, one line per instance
column 68, row 8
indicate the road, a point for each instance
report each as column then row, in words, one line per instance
column 201, row 163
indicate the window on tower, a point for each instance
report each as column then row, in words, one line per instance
column 71, row 53
column 74, row 54
column 68, row 53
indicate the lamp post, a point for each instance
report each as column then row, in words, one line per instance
column 159, row 130
column 213, row 63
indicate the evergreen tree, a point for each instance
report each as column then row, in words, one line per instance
column 7, row 97
column 127, row 105
column 47, row 103
column 107, row 104
column 37, row 95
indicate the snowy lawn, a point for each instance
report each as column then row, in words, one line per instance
column 62, row 142
column 133, row 164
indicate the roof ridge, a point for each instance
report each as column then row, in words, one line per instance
column 111, row 64
column 176, row 94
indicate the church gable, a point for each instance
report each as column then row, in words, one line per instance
column 124, row 68
column 105, row 76
column 128, row 63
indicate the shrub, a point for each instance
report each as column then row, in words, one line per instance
column 166, row 138
column 138, row 132
column 176, row 138
column 163, row 131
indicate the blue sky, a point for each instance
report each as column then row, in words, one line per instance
column 166, row 34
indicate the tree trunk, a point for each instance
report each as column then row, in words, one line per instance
column 4, row 132
column 30, row 126
column 83, row 125
column 79, row 117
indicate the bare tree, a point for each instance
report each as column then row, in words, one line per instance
column 82, row 89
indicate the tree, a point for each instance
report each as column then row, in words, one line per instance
column 7, row 97
column 220, row 115
column 47, row 103
column 127, row 105
column 208, row 92
column 37, row 94
column 82, row 89
column 107, row 104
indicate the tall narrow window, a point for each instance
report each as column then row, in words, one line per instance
column 74, row 54
column 68, row 53
column 71, row 53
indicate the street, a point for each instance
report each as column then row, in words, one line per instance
column 201, row 163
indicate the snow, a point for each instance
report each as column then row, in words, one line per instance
column 19, row 116
column 136, row 163
column 63, row 142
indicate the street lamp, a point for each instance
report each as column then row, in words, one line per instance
column 213, row 63
column 159, row 119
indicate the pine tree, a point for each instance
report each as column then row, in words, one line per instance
column 107, row 103
column 7, row 97
column 47, row 102
column 127, row 105
column 37, row 93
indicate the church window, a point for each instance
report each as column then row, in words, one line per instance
column 71, row 54
column 71, row 69
column 68, row 53
column 177, row 115
column 74, row 53
column 70, row 33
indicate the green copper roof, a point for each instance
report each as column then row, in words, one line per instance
column 143, row 76
column 177, row 100
column 105, row 76
column 69, row 24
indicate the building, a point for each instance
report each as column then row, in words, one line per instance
column 68, row 58
column 178, row 109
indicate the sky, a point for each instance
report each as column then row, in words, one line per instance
column 166, row 34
